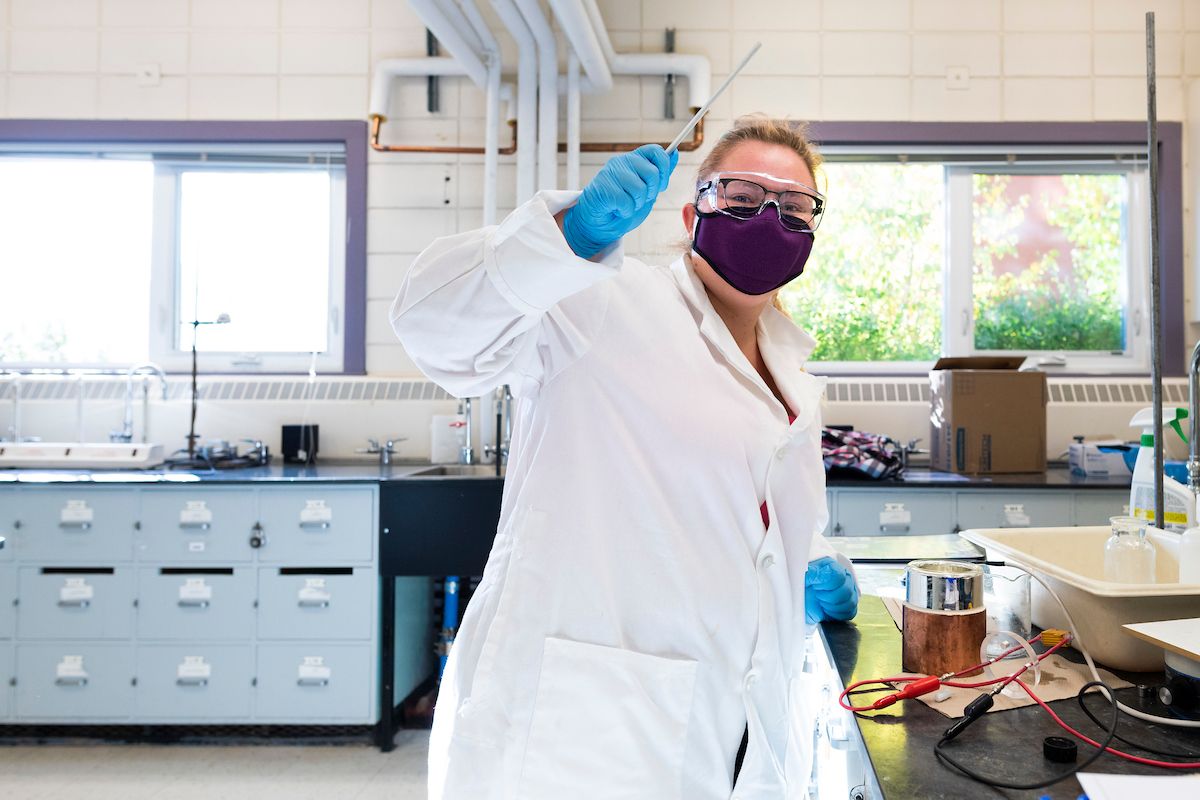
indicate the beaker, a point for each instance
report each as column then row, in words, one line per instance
column 1006, row 598
column 1128, row 555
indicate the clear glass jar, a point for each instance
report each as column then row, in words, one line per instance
column 1128, row 554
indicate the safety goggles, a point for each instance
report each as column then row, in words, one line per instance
column 738, row 195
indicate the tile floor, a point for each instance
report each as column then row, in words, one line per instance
column 195, row 772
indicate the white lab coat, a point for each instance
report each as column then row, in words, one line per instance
column 633, row 616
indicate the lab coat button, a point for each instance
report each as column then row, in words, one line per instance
column 751, row 679
column 768, row 560
column 780, row 454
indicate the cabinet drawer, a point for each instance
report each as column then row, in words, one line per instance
column 181, row 682
column 880, row 511
column 75, row 681
column 75, row 603
column 315, row 681
column 195, row 603
column 8, row 593
column 316, row 604
column 6, row 676
column 999, row 509
column 74, row 526
column 196, row 525
column 10, row 512
column 1094, row 507
column 307, row 527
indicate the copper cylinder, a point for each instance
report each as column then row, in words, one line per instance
column 944, row 619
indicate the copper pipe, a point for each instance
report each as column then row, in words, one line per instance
column 377, row 125
column 621, row 147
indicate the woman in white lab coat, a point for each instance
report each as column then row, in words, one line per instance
column 644, row 603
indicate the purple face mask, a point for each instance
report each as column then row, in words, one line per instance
column 754, row 255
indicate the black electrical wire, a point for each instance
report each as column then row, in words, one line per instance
column 1130, row 742
column 975, row 776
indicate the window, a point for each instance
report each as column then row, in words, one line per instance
column 112, row 250
column 959, row 249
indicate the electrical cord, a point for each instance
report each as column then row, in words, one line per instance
column 1170, row 754
column 1133, row 712
column 946, row 758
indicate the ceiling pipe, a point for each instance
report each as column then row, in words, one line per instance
column 451, row 36
column 388, row 70
column 491, row 50
column 581, row 34
column 547, row 51
column 526, row 96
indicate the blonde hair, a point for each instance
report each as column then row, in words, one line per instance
column 791, row 134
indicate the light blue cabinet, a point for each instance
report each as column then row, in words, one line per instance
column 315, row 681
column 152, row 604
column 298, row 603
column 899, row 509
column 75, row 603
column 8, row 599
column 306, row 526
column 78, row 526
column 74, row 681
column 195, row 682
column 195, row 603
column 196, row 525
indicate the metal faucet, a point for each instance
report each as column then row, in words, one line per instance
column 467, row 454
column 500, row 449
column 385, row 450
column 1193, row 463
column 126, row 432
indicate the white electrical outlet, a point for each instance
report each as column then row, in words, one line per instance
column 958, row 78
column 148, row 75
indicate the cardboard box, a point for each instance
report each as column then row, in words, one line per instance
column 1099, row 458
column 986, row 417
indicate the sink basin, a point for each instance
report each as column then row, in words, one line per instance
column 460, row 471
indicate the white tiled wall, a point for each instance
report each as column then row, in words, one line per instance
column 1074, row 60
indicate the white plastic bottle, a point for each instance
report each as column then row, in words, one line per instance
column 1189, row 556
column 1179, row 512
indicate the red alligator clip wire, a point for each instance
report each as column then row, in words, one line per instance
column 917, row 688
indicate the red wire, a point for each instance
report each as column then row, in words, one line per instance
column 1137, row 759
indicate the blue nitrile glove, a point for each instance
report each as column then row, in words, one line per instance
column 829, row 591
column 618, row 199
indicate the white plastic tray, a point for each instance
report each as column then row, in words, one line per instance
column 1071, row 560
column 80, row 455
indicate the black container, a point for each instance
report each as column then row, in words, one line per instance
column 300, row 443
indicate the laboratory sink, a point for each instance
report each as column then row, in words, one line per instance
column 460, row 471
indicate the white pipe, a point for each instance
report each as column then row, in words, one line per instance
column 582, row 35
column 696, row 69
column 573, row 121
column 547, row 146
column 390, row 68
column 457, row 17
column 452, row 38
column 491, row 143
column 526, row 96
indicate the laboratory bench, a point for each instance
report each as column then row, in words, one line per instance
column 889, row 754
column 262, row 565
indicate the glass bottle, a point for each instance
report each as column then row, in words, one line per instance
column 1128, row 554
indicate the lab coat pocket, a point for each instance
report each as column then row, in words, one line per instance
column 607, row 723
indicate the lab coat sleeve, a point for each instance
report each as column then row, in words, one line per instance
column 822, row 548
column 481, row 309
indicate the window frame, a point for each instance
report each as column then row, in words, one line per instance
column 349, row 283
column 890, row 138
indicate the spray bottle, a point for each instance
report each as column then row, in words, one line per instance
column 1179, row 512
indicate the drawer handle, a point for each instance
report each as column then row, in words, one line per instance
column 74, row 603
column 312, row 681
column 315, row 526
column 893, row 527
column 78, row 681
column 195, row 526
column 313, row 603
column 191, row 681
column 193, row 604
column 79, row 526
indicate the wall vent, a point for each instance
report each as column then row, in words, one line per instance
column 233, row 389
column 1096, row 391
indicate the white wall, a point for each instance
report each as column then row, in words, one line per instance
column 1069, row 60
